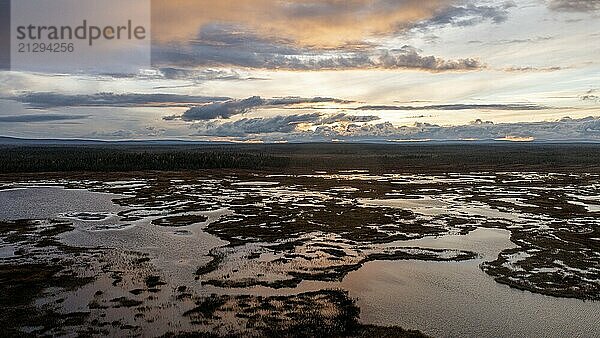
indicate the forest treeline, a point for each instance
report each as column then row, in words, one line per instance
column 57, row 159
column 304, row 158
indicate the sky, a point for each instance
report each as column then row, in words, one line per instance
column 334, row 70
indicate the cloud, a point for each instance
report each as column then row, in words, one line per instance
column 291, row 100
column 409, row 57
column 458, row 107
column 242, row 49
column 590, row 96
column 246, row 127
column 467, row 15
column 32, row 118
column 51, row 100
column 228, row 45
column 574, row 5
column 564, row 129
column 342, row 117
column 235, row 107
column 529, row 40
column 286, row 124
column 131, row 133
column 172, row 73
column 227, row 109
column 221, row 109
column 200, row 107
column 324, row 23
column 536, row 39
column 531, row 69
column 317, row 127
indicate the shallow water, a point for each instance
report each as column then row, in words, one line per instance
column 178, row 254
column 445, row 299
column 33, row 202
column 457, row 299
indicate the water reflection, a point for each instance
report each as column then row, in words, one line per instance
column 373, row 235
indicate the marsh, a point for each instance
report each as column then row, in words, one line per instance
column 303, row 251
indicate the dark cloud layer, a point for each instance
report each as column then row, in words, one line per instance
column 227, row 46
column 403, row 58
column 221, row 109
column 235, row 107
column 31, row 118
column 459, row 107
column 468, row 15
column 574, row 5
column 50, row 100
column 199, row 75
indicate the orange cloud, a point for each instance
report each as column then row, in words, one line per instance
column 322, row 24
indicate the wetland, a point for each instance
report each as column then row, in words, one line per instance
column 316, row 244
